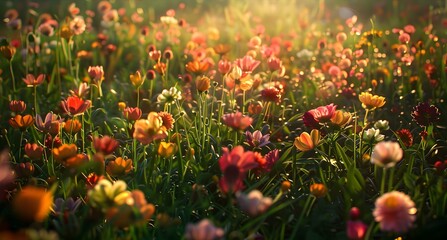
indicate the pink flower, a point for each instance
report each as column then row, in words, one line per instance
column 75, row 106
column 404, row 37
column 234, row 165
column 150, row 129
column 131, row 113
column 224, row 66
column 77, row 25
column 203, row 230
column 395, row 211
column 386, row 154
column 96, row 73
column 105, row 145
column 323, row 114
column 32, row 81
column 356, row 229
column 247, row 64
column 256, row 139
column 274, row 63
column 50, row 125
column 237, row 120
column 253, row 203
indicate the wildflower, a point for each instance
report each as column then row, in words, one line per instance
column 169, row 96
column 323, row 114
column 33, row 204
column 167, row 119
column 7, row 52
column 237, row 120
column 405, row 136
column 341, row 118
column 319, row 190
column 395, row 211
column 150, row 74
column 270, row 159
column 371, row 102
column 222, row 49
column 425, row 114
column 234, row 165
column 310, row 121
column 72, row 126
column 64, row 152
column 119, row 167
column 386, row 154
column 150, row 129
column 355, row 228
column 63, row 207
column 203, row 83
column 132, row 114
column 306, row 142
column 32, row 81
column 271, row 94
column 81, row 91
column 168, row 54
column 254, row 203
column 382, row 125
column 204, row 230
column 46, row 29
column 166, row 149
column 256, row 139
column 106, row 194
column 255, row 108
column 17, row 106
column 77, row 25
column 285, row 186
column 274, row 64
column 247, row 64
column 33, row 151
column 74, row 105
column 197, row 67
column 24, row 169
column 155, row 54
column 96, row 73
column 50, row 125
column 92, row 179
column 105, row 145
column 136, row 79
column 224, row 66
column 373, row 135
column 440, row 166
column 21, row 122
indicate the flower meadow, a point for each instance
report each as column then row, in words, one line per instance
column 227, row 120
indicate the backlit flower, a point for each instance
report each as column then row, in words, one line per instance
column 247, row 64
column 136, row 79
column 405, row 136
column 74, row 105
column 21, row 122
column 72, row 126
column 17, row 106
column 132, row 114
column 271, row 94
column 382, row 125
column 356, row 229
column 256, row 139
column 341, row 118
column 33, row 151
column 33, row 204
column 386, row 154
column 373, row 135
column 150, row 129
column 425, row 114
column 96, row 73
column 323, row 113
column 32, row 81
column 371, row 102
column 253, row 203
column 319, row 190
column 234, row 166
column 237, row 120
column 77, row 25
column 105, row 144
column 7, row 52
column 64, row 152
column 119, row 167
column 203, row 83
column 106, row 194
column 203, row 230
column 395, row 212
column 197, row 67
column 306, row 142
column 168, row 120
column 169, row 96
column 50, row 125
column 166, row 149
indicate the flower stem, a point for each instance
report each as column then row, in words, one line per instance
column 13, row 79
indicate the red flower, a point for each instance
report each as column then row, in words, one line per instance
column 405, row 136
column 234, row 165
column 237, row 120
column 17, row 106
column 131, row 113
column 323, row 113
column 425, row 114
column 271, row 94
column 75, row 105
column 106, row 145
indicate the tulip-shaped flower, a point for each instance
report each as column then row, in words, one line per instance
column 32, row 81
column 323, row 114
column 21, row 122
column 247, row 64
column 253, row 203
column 237, row 120
column 33, row 204
column 306, row 142
column 256, row 139
column 50, row 125
column 203, row 230
column 74, row 105
column 150, row 129
column 105, row 145
column 371, row 102
column 234, row 166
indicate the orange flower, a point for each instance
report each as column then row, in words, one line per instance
column 150, row 129
column 33, row 151
column 341, row 118
column 64, row 152
column 371, row 102
column 21, row 122
column 33, row 204
column 119, row 167
column 166, row 149
column 203, row 83
column 72, row 126
column 306, row 142
column 7, row 52
column 76, row 161
column 32, row 81
column 319, row 190
column 197, row 67
column 75, row 106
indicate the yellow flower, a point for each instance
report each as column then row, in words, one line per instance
column 136, row 79
column 341, row 118
column 371, row 102
column 119, row 167
column 166, row 149
column 203, row 83
column 33, row 204
column 306, row 142
column 121, row 106
column 319, row 190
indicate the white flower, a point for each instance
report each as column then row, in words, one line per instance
column 373, row 134
column 386, row 154
column 107, row 194
column 382, row 125
column 169, row 96
column 254, row 203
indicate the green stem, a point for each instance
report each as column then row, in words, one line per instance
column 36, row 107
column 13, row 79
column 382, row 184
